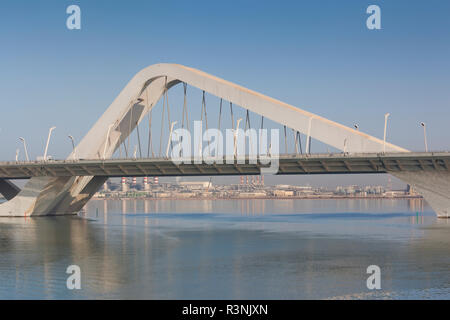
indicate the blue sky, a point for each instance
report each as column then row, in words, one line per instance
column 317, row 55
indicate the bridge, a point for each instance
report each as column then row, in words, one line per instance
column 365, row 163
column 64, row 186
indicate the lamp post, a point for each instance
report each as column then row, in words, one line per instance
column 135, row 152
column 308, row 137
column 425, row 135
column 386, row 116
column 25, row 148
column 170, row 138
column 73, row 146
column 48, row 141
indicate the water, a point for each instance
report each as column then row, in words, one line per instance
column 229, row 249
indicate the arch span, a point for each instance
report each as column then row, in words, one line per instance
column 154, row 79
column 43, row 196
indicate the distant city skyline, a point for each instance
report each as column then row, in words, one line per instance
column 317, row 55
column 326, row 180
column 248, row 187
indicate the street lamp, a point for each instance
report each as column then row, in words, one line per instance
column 73, row 146
column 425, row 135
column 48, row 141
column 25, row 147
column 170, row 138
column 135, row 152
column 386, row 116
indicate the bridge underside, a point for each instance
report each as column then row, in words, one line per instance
column 404, row 165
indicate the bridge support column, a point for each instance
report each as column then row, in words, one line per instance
column 434, row 186
column 8, row 189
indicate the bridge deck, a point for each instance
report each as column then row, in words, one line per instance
column 288, row 164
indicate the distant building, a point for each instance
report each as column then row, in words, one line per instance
column 124, row 185
column 196, row 185
column 303, row 190
column 283, row 186
column 162, row 195
column 283, row 193
column 251, row 194
column 394, row 193
column 186, row 195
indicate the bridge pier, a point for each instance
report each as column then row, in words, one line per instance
column 434, row 186
column 8, row 189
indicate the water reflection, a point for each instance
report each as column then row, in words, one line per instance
column 225, row 249
column 37, row 250
column 255, row 207
column 377, row 218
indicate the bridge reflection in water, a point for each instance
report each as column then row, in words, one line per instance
column 257, row 207
column 237, row 253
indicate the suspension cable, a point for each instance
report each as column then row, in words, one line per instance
column 260, row 133
column 309, row 145
column 232, row 117
column 129, row 128
column 247, row 121
column 168, row 112
column 183, row 114
column 206, row 119
column 220, row 113
column 168, row 108
column 295, row 140
column 185, row 111
column 125, row 148
column 285, row 140
column 150, row 144
column 162, row 119
column 300, row 141
column 139, row 139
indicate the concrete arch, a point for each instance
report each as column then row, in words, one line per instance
column 43, row 196
column 153, row 79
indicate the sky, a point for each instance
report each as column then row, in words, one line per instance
column 316, row 55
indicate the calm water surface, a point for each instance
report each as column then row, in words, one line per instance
column 229, row 249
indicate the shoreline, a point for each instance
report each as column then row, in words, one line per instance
column 325, row 197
